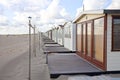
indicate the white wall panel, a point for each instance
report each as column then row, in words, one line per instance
column 113, row 57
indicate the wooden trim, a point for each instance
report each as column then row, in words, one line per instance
column 90, row 20
column 113, row 50
column 82, row 38
column 85, row 39
column 92, row 51
column 112, row 36
column 99, row 64
column 105, row 43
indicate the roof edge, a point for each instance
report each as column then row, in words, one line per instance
column 102, row 11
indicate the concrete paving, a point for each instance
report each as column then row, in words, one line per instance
column 67, row 64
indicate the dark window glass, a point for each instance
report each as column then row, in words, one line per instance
column 116, row 33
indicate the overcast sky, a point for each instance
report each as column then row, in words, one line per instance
column 45, row 13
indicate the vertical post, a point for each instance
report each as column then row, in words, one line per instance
column 39, row 40
column 34, row 43
column 29, row 76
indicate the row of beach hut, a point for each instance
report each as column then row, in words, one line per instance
column 94, row 35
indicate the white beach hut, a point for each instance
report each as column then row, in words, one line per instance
column 60, row 34
column 55, row 34
column 70, row 36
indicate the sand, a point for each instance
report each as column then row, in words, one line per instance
column 14, row 59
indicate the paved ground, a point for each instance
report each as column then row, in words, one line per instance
column 69, row 63
column 14, row 60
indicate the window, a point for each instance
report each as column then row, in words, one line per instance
column 89, row 38
column 84, row 38
column 116, row 33
column 79, row 37
column 68, row 31
column 99, row 39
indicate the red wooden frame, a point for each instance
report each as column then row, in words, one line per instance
column 91, row 59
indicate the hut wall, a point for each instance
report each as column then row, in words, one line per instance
column 113, row 57
column 60, row 36
column 53, row 34
column 70, row 36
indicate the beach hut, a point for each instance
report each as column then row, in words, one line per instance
column 46, row 34
column 98, row 38
column 55, row 34
column 50, row 34
column 60, row 34
column 70, row 36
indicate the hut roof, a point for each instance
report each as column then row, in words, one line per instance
column 103, row 11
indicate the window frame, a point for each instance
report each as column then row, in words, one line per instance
column 113, row 17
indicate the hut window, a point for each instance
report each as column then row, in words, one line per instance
column 116, row 34
column 98, row 39
column 68, row 32
column 79, row 37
